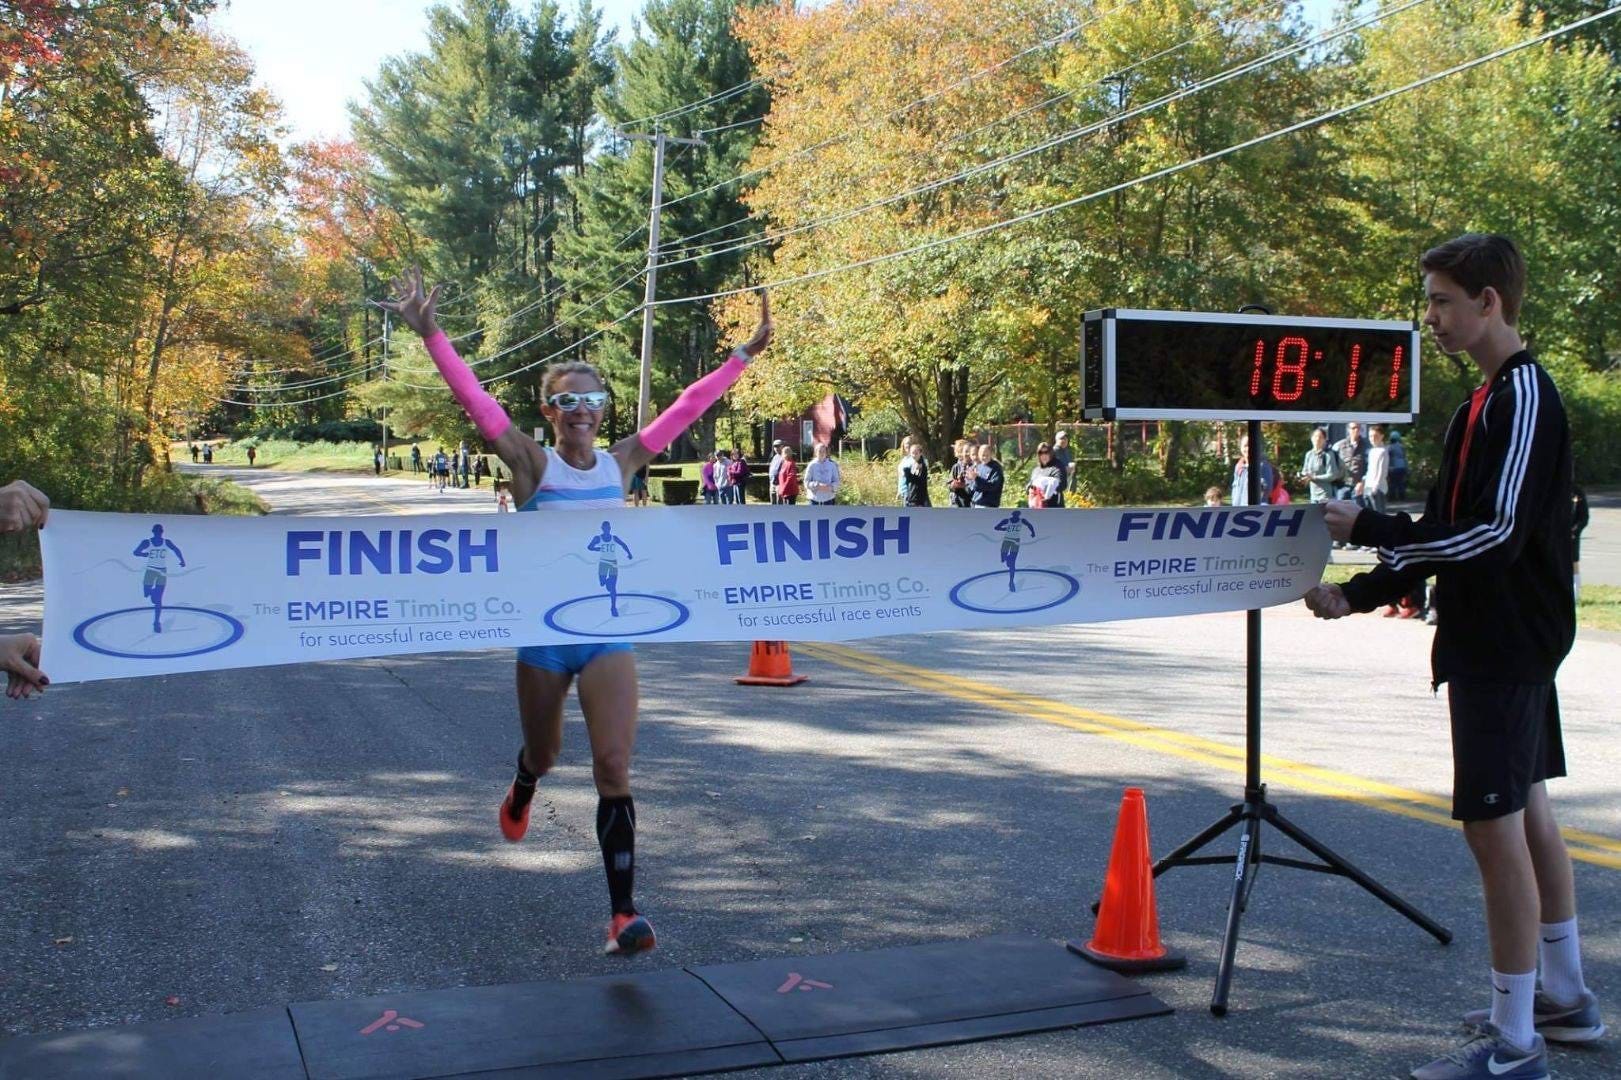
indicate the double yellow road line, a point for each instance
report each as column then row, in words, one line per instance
column 1421, row 806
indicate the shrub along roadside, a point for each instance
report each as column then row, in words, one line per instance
column 168, row 494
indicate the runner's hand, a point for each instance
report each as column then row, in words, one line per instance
column 22, row 505
column 414, row 303
column 755, row 345
column 1327, row 601
column 19, row 657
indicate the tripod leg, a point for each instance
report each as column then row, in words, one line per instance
column 1323, row 852
column 1221, row 825
column 1242, row 875
column 1254, row 871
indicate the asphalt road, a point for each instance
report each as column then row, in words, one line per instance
column 248, row 838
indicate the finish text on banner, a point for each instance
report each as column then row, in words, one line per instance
column 129, row 595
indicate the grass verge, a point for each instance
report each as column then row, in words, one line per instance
column 1599, row 607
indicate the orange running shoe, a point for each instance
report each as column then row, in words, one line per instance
column 628, row 934
column 513, row 828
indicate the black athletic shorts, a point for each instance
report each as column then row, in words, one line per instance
column 1505, row 739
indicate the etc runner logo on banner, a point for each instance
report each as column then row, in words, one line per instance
column 130, row 595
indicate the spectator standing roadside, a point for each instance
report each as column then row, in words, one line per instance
column 723, row 483
column 737, row 472
column 915, row 474
column 1398, row 467
column 1321, row 468
column 706, row 480
column 208, row 453
column 1353, row 455
column 1579, row 517
column 480, row 470
column 377, row 460
column 900, row 469
column 1064, row 458
column 822, row 478
column 253, row 455
column 441, row 468
column 787, row 488
column 194, row 452
column 988, row 481
column 1241, row 476
column 774, row 468
column 1375, row 482
column 1046, row 487
column 962, row 475
column 416, row 459
column 22, row 506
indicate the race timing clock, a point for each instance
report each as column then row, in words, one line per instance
column 1194, row 365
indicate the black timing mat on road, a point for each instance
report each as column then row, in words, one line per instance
column 816, row 1007
column 650, row 1024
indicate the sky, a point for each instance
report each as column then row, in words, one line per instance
column 315, row 55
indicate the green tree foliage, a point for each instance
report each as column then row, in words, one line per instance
column 686, row 52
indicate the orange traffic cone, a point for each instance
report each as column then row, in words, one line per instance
column 1127, row 933
column 770, row 665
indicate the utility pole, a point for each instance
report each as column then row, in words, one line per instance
column 386, row 322
column 659, row 140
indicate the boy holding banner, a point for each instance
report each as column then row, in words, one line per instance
column 1495, row 535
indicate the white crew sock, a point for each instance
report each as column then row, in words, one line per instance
column 1512, row 998
column 1559, row 955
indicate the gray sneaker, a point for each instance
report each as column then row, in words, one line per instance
column 1578, row 1023
column 1486, row 1055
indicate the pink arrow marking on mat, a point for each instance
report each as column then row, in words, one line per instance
column 796, row 981
column 391, row 1021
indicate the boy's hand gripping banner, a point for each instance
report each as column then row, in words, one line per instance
column 130, row 594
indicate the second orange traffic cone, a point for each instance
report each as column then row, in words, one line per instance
column 1127, row 934
column 771, row 665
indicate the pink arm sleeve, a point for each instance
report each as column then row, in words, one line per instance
column 485, row 412
column 691, row 404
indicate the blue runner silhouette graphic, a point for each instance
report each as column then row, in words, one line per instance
column 1010, row 544
column 156, row 550
column 608, row 564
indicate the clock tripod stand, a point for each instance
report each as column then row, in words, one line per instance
column 1256, row 810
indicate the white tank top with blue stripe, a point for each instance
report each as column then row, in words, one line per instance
column 563, row 487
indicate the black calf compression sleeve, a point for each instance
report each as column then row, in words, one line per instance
column 523, row 788
column 616, row 832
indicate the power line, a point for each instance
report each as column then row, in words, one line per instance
column 909, row 106
column 1229, row 74
column 682, row 245
column 1160, row 174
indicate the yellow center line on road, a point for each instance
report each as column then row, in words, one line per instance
column 1589, row 847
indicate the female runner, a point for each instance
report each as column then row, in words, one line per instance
column 575, row 476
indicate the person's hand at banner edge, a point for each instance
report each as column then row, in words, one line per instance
column 1327, row 601
column 22, row 505
column 19, row 657
column 1340, row 516
column 414, row 303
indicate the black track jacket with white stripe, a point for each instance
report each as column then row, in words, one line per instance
column 1504, row 600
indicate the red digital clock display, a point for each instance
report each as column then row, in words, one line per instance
column 1169, row 364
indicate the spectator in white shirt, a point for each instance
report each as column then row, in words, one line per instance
column 1375, row 484
column 822, row 478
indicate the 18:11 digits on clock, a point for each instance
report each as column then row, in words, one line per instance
column 1282, row 371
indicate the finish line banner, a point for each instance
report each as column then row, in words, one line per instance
column 130, row 594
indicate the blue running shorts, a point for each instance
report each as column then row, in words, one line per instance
column 569, row 659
